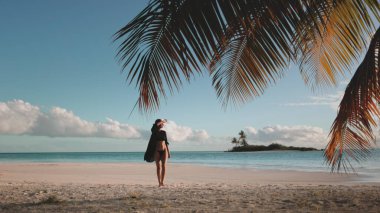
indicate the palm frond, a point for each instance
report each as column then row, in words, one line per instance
column 169, row 40
column 254, row 51
column 351, row 133
column 332, row 37
column 246, row 43
column 164, row 44
column 239, row 75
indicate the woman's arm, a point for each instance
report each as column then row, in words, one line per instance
column 167, row 147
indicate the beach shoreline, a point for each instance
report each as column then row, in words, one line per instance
column 144, row 173
column 132, row 187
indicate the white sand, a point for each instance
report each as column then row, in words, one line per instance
column 145, row 174
column 132, row 187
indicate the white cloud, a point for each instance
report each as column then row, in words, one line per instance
column 60, row 122
column 200, row 135
column 330, row 100
column 306, row 136
column 19, row 117
column 179, row 133
column 115, row 129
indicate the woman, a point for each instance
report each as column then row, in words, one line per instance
column 158, row 149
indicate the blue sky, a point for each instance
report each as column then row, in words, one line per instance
column 61, row 89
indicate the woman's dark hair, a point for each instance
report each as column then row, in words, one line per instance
column 155, row 127
column 157, row 121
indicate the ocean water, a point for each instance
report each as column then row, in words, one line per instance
column 267, row 160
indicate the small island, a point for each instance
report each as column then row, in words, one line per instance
column 271, row 147
column 241, row 145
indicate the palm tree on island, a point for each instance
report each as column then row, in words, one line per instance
column 242, row 138
column 249, row 45
column 235, row 141
column 241, row 141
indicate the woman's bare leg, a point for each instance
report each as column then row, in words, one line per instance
column 163, row 170
column 158, row 166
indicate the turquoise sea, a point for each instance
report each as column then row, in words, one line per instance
column 267, row 160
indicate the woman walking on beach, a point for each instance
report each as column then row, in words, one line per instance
column 158, row 149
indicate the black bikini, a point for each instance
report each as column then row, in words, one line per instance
column 161, row 153
column 161, row 136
